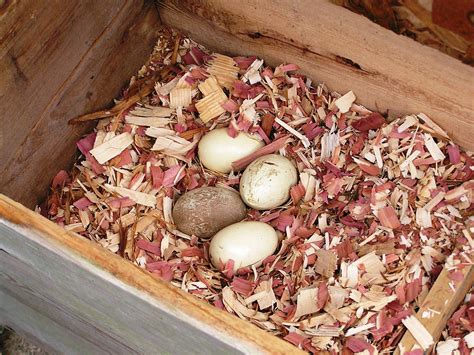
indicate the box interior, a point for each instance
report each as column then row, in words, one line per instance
column 77, row 60
column 71, row 71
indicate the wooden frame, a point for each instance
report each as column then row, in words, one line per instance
column 74, row 296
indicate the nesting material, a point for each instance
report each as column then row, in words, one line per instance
column 377, row 210
column 224, row 69
column 459, row 332
column 113, row 147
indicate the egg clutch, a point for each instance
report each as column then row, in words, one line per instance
column 217, row 212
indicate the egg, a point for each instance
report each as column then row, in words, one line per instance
column 266, row 182
column 246, row 243
column 217, row 150
column 206, row 210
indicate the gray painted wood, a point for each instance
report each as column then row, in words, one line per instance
column 93, row 304
column 40, row 329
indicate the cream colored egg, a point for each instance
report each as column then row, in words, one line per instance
column 266, row 182
column 217, row 150
column 246, row 243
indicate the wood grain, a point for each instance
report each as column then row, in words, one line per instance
column 116, row 306
column 443, row 300
column 39, row 328
column 386, row 71
column 59, row 61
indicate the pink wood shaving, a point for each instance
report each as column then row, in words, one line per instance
column 192, row 251
column 230, row 106
column 286, row 68
column 358, row 345
column 454, row 154
column 388, row 217
column 82, row 203
column 242, row 286
column 268, row 149
column 60, row 179
column 120, row 202
column 153, row 248
column 157, row 176
column 414, row 352
column 297, row 192
column 295, row 338
column 171, row 177
column 244, row 62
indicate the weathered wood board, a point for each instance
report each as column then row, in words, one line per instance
column 56, row 62
column 112, row 304
column 41, row 330
column 386, row 71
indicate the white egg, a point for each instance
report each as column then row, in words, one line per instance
column 217, row 150
column 266, row 182
column 246, row 243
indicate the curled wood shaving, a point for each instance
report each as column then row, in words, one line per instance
column 180, row 97
column 211, row 106
column 224, row 69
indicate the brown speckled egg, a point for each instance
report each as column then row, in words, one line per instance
column 206, row 210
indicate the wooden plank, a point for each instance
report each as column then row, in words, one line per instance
column 57, row 62
column 40, row 329
column 110, row 302
column 345, row 50
column 441, row 302
column 39, row 47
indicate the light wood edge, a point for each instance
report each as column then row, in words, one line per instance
column 396, row 74
column 234, row 331
column 440, row 298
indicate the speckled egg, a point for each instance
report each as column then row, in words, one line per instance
column 266, row 182
column 206, row 210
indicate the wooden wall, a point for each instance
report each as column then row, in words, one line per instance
column 59, row 59
column 386, row 71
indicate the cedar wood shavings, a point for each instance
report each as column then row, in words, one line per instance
column 459, row 332
column 378, row 208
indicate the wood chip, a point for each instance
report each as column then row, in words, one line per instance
column 180, row 97
column 345, row 102
column 139, row 197
column 306, row 302
column 209, row 86
column 326, row 264
column 173, row 145
column 264, row 295
column 211, row 106
column 433, row 148
column 147, row 121
column 297, row 134
column 159, row 132
column 224, row 69
column 113, row 147
column 419, row 332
